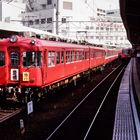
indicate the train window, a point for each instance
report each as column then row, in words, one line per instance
column 62, row 57
column 86, row 55
column 108, row 53
column 80, row 55
column 2, row 58
column 98, row 54
column 51, row 58
column 31, row 58
column 58, row 57
column 77, row 55
column 67, row 56
column 14, row 58
column 92, row 54
column 72, row 56
column 83, row 55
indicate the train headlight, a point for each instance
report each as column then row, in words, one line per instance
column 13, row 38
column 33, row 42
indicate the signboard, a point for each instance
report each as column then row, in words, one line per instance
column 138, row 54
column 25, row 76
column 14, row 74
column 29, row 107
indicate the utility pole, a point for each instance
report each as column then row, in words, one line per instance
column 57, row 15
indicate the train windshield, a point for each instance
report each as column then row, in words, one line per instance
column 14, row 58
column 2, row 58
column 31, row 58
column 126, row 51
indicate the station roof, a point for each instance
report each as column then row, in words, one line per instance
column 130, row 13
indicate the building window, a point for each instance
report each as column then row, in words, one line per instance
column 87, row 27
column 107, row 29
column 49, row 2
column 43, row 6
column 49, row 31
column 36, row 21
column 97, row 28
column 43, row 20
column 91, row 27
column 30, row 22
column 49, row 20
column 64, row 20
column 67, row 5
column 102, row 28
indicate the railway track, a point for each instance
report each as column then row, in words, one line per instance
column 6, row 114
column 86, row 121
column 9, row 109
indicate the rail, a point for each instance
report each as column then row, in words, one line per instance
column 80, row 104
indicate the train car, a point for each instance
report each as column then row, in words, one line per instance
column 28, row 65
column 97, row 56
column 125, row 54
column 35, row 61
column 111, row 54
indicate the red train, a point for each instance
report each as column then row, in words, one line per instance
column 30, row 66
column 126, row 54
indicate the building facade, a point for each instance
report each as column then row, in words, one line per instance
column 11, row 10
column 81, row 19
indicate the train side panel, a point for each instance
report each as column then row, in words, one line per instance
column 55, row 64
column 97, row 57
column 72, row 61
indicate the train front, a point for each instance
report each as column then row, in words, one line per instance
column 20, row 66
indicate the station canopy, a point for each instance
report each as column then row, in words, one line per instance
column 130, row 13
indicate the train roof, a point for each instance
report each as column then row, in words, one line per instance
column 18, row 29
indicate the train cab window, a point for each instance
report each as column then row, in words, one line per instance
column 51, row 58
column 14, row 58
column 31, row 59
column 58, row 57
column 2, row 58
column 125, row 51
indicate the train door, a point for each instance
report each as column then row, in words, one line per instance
column 14, row 62
column 45, row 67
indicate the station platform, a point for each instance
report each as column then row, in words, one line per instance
column 127, row 117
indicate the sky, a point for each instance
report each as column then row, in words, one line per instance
column 107, row 4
